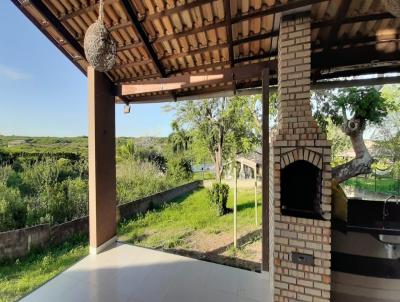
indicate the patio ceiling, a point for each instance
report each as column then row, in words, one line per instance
column 167, row 38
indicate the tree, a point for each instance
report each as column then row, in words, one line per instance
column 179, row 138
column 223, row 125
column 352, row 109
column 340, row 142
column 388, row 138
column 253, row 104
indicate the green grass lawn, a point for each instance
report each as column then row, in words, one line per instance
column 19, row 277
column 171, row 226
column 386, row 185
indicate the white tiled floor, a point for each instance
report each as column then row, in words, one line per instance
column 129, row 273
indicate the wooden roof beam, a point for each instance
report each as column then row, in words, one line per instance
column 262, row 12
column 332, row 58
column 228, row 24
column 355, row 19
column 359, row 71
column 188, row 80
column 127, row 4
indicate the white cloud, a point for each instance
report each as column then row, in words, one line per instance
column 12, row 73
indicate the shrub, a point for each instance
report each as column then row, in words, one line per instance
column 13, row 210
column 218, row 195
column 139, row 179
column 179, row 169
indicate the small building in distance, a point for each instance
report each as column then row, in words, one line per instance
column 249, row 165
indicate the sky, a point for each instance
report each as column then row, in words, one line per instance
column 42, row 93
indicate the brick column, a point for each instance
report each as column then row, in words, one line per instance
column 298, row 137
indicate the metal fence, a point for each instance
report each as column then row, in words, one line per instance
column 379, row 181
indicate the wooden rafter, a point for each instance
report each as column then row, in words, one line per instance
column 127, row 4
column 377, row 39
column 62, row 31
column 148, row 17
column 228, row 25
column 262, row 12
column 175, row 9
column 256, row 37
column 192, row 31
column 199, row 67
column 355, row 19
column 40, row 26
column 132, row 64
column 317, row 24
column 83, row 10
column 195, row 51
column 341, row 15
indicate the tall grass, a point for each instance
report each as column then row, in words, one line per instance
column 137, row 179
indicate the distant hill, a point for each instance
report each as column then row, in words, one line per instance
column 76, row 145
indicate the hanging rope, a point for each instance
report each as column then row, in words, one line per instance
column 100, row 48
column 101, row 11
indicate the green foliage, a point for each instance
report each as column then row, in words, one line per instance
column 218, row 196
column 391, row 93
column 19, row 277
column 179, row 169
column 179, row 139
column 125, row 150
column 136, row 179
column 50, row 190
column 340, row 142
column 383, row 185
column 152, row 156
column 13, row 210
column 184, row 222
column 222, row 126
column 365, row 103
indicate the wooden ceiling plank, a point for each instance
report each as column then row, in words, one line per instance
column 176, row 9
column 340, row 16
column 58, row 26
column 127, row 4
column 84, row 10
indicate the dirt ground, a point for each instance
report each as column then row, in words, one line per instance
column 218, row 248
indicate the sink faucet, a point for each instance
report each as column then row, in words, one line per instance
column 385, row 212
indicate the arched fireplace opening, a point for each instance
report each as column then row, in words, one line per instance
column 301, row 184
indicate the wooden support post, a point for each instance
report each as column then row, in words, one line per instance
column 235, row 195
column 265, row 170
column 102, row 176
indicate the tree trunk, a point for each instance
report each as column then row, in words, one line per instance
column 361, row 164
column 218, row 164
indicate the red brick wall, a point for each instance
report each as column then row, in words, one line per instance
column 298, row 137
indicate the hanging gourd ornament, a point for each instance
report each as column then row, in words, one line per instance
column 100, row 48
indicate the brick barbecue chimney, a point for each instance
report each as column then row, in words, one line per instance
column 301, row 174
